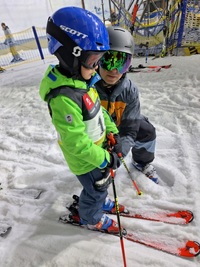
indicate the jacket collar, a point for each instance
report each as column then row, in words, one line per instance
column 95, row 78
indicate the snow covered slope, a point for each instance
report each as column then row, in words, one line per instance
column 31, row 159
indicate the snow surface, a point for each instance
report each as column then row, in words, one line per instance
column 30, row 158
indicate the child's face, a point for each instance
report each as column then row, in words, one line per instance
column 87, row 73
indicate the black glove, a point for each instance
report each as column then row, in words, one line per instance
column 114, row 161
column 118, row 145
column 105, row 181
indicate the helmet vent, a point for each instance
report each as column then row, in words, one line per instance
column 99, row 44
column 122, row 30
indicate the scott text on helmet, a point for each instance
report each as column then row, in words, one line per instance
column 72, row 31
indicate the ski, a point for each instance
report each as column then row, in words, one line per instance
column 183, row 248
column 171, row 217
column 148, row 70
column 149, row 67
column 4, row 229
column 179, row 217
column 187, row 248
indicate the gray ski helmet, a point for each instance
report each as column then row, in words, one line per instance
column 120, row 40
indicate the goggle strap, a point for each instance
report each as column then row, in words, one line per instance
column 62, row 37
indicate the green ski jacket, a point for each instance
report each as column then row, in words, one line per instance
column 80, row 121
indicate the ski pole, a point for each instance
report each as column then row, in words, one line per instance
column 118, row 218
column 112, row 139
column 135, row 9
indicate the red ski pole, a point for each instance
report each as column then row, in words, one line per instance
column 118, row 218
column 134, row 17
column 112, row 140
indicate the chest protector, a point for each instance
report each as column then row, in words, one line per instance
column 92, row 113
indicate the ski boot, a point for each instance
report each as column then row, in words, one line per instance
column 105, row 225
column 148, row 169
column 108, row 206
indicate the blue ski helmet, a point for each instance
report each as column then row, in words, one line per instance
column 76, row 37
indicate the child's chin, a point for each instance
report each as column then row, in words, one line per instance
column 88, row 78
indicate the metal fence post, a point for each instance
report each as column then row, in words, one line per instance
column 38, row 42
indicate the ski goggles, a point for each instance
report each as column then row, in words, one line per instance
column 90, row 59
column 115, row 60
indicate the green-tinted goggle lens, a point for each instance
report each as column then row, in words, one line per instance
column 115, row 60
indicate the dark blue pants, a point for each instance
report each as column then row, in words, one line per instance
column 144, row 149
column 91, row 201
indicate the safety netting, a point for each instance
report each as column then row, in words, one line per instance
column 22, row 47
column 184, row 29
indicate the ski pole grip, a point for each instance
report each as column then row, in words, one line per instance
column 111, row 138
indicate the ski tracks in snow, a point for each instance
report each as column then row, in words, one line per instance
column 31, row 158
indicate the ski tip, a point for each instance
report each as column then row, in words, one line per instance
column 197, row 245
column 186, row 215
column 191, row 249
column 191, row 216
column 168, row 66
